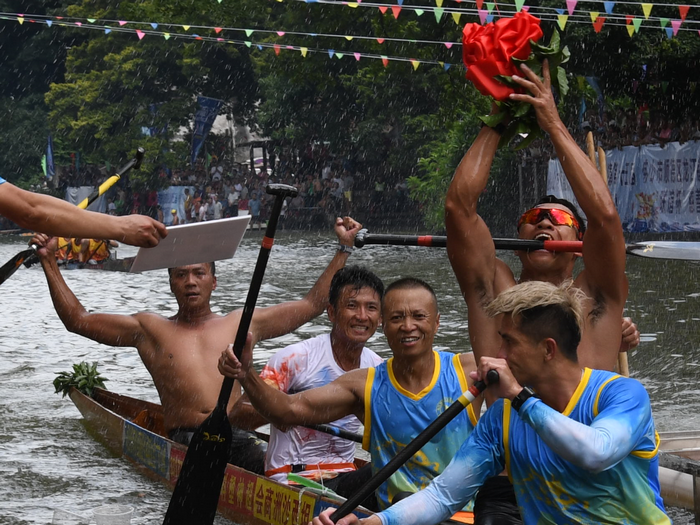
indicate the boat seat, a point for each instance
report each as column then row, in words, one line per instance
column 146, row 420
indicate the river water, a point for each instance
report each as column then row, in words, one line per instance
column 48, row 461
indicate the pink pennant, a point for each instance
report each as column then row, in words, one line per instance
column 483, row 13
column 448, row 45
column 217, row 30
column 683, row 10
column 79, row 24
column 291, row 48
column 525, row 8
column 219, row 39
column 140, row 34
column 396, row 9
column 676, row 25
column 380, row 40
column 280, row 33
column 571, row 5
column 383, row 9
column 357, row 56
column 122, row 23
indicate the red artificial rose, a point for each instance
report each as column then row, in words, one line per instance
column 487, row 51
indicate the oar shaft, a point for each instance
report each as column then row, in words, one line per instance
column 133, row 163
column 414, row 446
column 337, row 432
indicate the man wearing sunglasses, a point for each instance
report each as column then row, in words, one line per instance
column 482, row 276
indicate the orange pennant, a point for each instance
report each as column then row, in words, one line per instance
column 598, row 24
column 383, row 8
column 396, row 9
column 277, row 49
column 683, row 9
column 385, row 61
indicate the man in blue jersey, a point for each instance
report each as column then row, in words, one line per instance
column 395, row 401
column 46, row 214
column 578, row 444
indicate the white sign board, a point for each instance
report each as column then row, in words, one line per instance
column 193, row 244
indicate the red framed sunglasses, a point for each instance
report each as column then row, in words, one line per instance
column 555, row 215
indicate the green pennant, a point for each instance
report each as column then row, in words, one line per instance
column 248, row 32
column 519, row 5
column 490, row 6
column 248, row 43
column 166, row 36
column 438, row 13
column 664, row 21
column 92, row 20
column 637, row 23
column 419, row 12
column 340, row 55
column 43, row 164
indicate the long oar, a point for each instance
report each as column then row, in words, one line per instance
column 196, row 493
column 25, row 256
column 337, row 432
column 675, row 250
column 414, row 446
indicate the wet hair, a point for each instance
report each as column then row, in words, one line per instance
column 357, row 277
column 542, row 310
column 211, row 265
column 551, row 199
column 409, row 283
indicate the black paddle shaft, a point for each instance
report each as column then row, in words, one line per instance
column 196, row 495
column 414, row 446
column 134, row 163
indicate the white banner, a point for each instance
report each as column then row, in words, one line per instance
column 654, row 188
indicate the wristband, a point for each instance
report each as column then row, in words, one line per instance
column 344, row 248
column 525, row 394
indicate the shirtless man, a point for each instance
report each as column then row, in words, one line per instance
column 181, row 352
column 418, row 383
column 482, row 276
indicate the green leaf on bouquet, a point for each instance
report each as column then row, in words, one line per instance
column 507, row 80
column 555, row 41
column 493, row 120
column 563, row 82
column 521, row 109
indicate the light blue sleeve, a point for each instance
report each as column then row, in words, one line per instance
column 623, row 421
column 479, row 458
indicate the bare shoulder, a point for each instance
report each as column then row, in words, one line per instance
column 353, row 381
column 468, row 361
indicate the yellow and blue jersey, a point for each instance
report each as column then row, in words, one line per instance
column 596, row 462
column 394, row 416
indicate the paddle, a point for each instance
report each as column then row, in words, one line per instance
column 676, row 250
column 337, row 432
column 196, row 493
column 23, row 257
column 414, row 446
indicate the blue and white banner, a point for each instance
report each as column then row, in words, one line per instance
column 50, row 165
column 203, row 121
column 655, row 189
column 173, row 198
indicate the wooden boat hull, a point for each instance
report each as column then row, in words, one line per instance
column 133, row 429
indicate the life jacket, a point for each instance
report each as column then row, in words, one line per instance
column 97, row 251
column 62, row 249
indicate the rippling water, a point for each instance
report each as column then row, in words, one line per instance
column 48, row 461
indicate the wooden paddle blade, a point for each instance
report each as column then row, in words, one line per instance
column 678, row 250
column 196, row 493
column 11, row 266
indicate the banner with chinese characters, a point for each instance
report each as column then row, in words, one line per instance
column 655, row 188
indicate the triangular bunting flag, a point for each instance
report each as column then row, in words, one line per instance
column 628, row 19
column 221, row 40
column 609, row 7
column 248, row 44
column 447, row 66
column 49, row 23
column 561, row 20
column 415, row 64
column 248, row 32
column 304, row 50
column 519, row 5
column 186, row 28
column 559, row 11
column 357, row 56
column 166, row 36
column 396, row 9
column 683, row 10
column 20, row 19
column 664, row 21
column 277, row 49
column 571, row 5
column 594, row 15
column 676, row 25
column 482, row 15
column 489, row 19
column 669, row 32
column 79, row 24
column 280, row 33
column 630, row 30
column 340, row 55
column 122, row 23
column 385, row 60
column 331, row 52
column 108, row 31
column 217, row 30
column 636, row 22
column 455, row 17
column 260, row 48
column 380, row 40
column 419, row 12
column 438, row 3
column 154, row 25
column 348, row 37
column 92, row 20
column 400, row 2
column 448, row 45
column 646, row 9
column 479, row 3
column 354, row 5
column 383, row 8
column 438, row 13
column 598, row 24
column 490, row 6
column 140, row 34
column 526, row 8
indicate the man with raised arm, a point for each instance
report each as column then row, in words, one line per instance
column 482, row 276
column 396, row 400
column 43, row 213
column 579, row 444
column 181, row 352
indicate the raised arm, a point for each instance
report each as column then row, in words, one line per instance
column 337, row 399
column 108, row 329
column 281, row 319
column 46, row 214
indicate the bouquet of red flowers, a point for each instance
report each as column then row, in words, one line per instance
column 493, row 54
